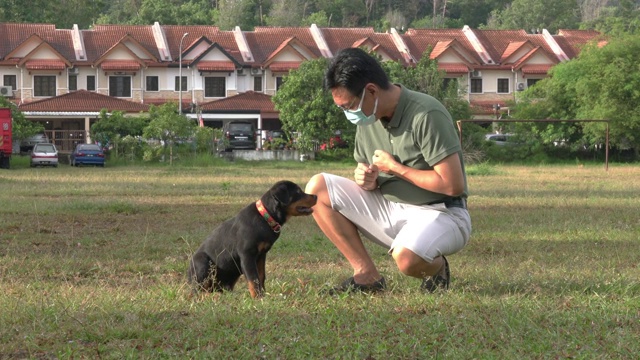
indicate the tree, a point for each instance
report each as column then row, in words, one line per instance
column 21, row 127
column 285, row 13
column 242, row 13
column 425, row 77
column 599, row 84
column 168, row 126
column 306, row 108
column 111, row 128
column 537, row 15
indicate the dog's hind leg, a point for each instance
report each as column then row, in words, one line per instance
column 200, row 271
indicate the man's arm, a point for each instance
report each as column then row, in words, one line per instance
column 445, row 178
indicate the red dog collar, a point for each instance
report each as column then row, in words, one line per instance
column 265, row 214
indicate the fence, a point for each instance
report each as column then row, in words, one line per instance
column 66, row 140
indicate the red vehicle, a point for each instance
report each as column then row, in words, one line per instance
column 6, row 139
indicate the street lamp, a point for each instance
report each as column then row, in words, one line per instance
column 180, row 76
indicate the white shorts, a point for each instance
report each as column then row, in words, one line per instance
column 427, row 230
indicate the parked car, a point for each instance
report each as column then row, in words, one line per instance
column 44, row 154
column 27, row 144
column 87, row 154
column 239, row 135
column 500, row 139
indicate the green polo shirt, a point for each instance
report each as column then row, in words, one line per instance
column 420, row 134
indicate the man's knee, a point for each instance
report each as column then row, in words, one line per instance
column 316, row 184
column 408, row 262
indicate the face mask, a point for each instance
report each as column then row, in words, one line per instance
column 357, row 117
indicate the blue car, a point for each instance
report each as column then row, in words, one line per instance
column 87, row 154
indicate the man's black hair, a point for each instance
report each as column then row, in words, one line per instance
column 353, row 68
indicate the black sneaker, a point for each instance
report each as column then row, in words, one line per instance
column 439, row 280
column 350, row 286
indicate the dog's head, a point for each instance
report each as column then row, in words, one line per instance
column 288, row 199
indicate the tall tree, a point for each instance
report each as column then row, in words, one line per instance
column 286, row 13
column 425, row 77
column 169, row 126
column 599, row 84
column 537, row 15
column 306, row 108
column 242, row 13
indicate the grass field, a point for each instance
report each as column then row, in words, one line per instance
column 92, row 265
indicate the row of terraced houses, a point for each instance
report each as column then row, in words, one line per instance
column 64, row 77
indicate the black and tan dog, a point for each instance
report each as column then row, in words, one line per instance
column 240, row 244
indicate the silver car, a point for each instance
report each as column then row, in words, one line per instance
column 44, row 154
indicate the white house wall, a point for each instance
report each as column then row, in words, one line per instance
column 490, row 80
column 539, row 59
column 26, row 48
column 120, row 53
column 135, row 48
column 449, row 57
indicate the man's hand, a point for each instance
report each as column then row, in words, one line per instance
column 365, row 176
column 384, row 161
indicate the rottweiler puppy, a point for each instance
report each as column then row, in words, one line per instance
column 240, row 244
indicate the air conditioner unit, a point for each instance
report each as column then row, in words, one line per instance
column 520, row 87
column 476, row 73
column 73, row 71
column 256, row 71
column 6, row 91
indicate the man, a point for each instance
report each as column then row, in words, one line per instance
column 409, row 189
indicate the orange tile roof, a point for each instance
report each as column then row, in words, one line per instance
column 45, row 64
column 419, row 40
column 536, row 69
column 120, row 65
column 499, row 41
column 284, row 66
column 342, row 38
column 103, row 37
column 453, row 68
column 14, row 34
column 216, row 66
column 263, row 41
column 572, row 41
column 225, row 39
column 249, row 101
column 83, row 101
column 511, row 49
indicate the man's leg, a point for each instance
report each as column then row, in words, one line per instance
column 342, row 233
column 413, row 265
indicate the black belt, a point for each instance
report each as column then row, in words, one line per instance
column 456, row 202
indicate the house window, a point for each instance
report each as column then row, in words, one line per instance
column 73, row 82
column 446, row 82
column 11, row 80
column 120, row 86
column 279, row 82
column 257, row 83
column 531, row 82
column 152, row 83
column 215, row 87
column 44, row 86
column 91, row 83
column 476, row 86
column 503, row 86
column 184, row 83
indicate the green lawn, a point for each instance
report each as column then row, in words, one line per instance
column 92, row 265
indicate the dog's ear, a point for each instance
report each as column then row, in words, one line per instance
column 281, row 195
